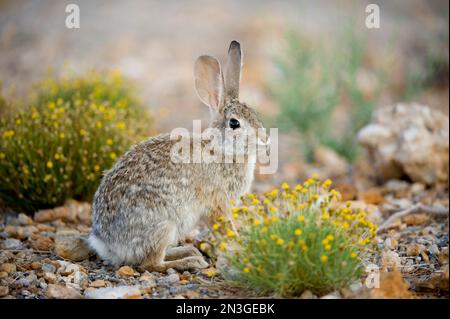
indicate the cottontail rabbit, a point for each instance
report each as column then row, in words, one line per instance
column 147, row 202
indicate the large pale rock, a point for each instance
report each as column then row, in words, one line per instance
column 408, row 139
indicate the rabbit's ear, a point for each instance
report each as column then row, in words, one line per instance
column 209, row 81
column 233, row 70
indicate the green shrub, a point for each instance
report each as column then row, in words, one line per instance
column 315, row 79
column 294, row 240
column 71, row 130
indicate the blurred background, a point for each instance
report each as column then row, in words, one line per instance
column 311, row 68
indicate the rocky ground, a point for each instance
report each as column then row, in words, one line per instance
column 45, row 256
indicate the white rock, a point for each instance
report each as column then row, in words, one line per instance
column 120, row 292
column 408, row 139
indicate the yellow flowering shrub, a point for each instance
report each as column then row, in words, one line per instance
column 70, row 131
column 294, row 239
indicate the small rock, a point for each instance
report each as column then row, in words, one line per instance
column 443, row 256
column 3, row 274
column 99, row 283
column 48, row 215
column 39, row 242
column 24, row 220
column 171, row 271
column 4, row 290
column 333, row 295
column 433, row 249
column 391, row 243
column 121, row 292
column 12, row 244
column 8, row 267
column 48, row 268
column 417, row 188
column 307, row 294
column 73, row 248
column 27, row 281
column 391, row 259
column 414, row 250
column 50, row 277
column 169, row 280
column 62, row 292
column 125, row 271
column 35, row 265
column 416, row 219
column 371, row 196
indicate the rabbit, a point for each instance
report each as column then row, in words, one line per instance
column 146, row 203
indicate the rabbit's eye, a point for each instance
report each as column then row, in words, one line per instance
column 234, row 124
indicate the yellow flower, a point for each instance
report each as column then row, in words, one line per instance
column 304, row 248
column 56, row 156
column 235, row 210
column 272, row 209
column 82, row 132
column 230, row 233
column 301, row 218
column 324, row 258
column 264, row 230
column 285, row 186
column 215, row 226
column 256, row 222
column 325, row 242
column 109, row 141
column 325, row 216
column 327, row 247
column 298, row 232
column 113, row 155
column 18, row 121
column 99, row 124
column 327, row 183
column 330, row 237
column 244, row 209
column 245, row 260
column 232, row 202
column 121, row 125
column 255, row 201
column 353, row 255
column 273, row 237
column 273, row 219
column 2, row 155
column 47, row 178
column 246, row 269
column 51, row 105
column 96, row 168
column 266, row 201
column 222, row 246
column 235, row 215
column 298, row 187
column 49, row 164
column 280, row 242
column 62, row 135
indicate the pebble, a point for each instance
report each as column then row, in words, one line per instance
column 433, row 249
column 171, row 271
column 3, row 274
column 12, row 244
column 125, row 271
column 48, row 268
column 73, row 248
column 50, row 277
column 307, row 294
column 4, row 290
column 8, row 267
column 39, row 242
column 99, row 283
column 27, row 281
column 414, row 250
column 333, row 295
column 24, row 220
column 62, row 292
column 169, row 280
column 35, row 265
column 121, row 292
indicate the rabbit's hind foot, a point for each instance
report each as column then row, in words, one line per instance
column 175, row 253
